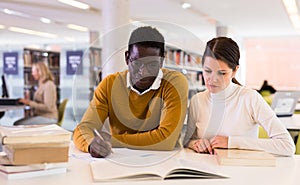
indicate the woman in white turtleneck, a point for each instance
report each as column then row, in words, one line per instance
column 227, row 114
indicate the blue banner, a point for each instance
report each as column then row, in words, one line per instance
column 74, row 62
column 10, row 63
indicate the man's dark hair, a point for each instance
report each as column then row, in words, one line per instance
column 147, row 36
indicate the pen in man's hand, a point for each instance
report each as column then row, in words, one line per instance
column 98, row 134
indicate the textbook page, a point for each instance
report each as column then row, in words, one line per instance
column 137, row 167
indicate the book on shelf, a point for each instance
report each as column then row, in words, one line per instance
column 33, row 134
column 106, row 170
column 35, row 170
column 239, row 157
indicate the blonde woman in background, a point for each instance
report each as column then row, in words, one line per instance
column 44, row 101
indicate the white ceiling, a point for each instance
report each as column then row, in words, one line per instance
column 244, row 18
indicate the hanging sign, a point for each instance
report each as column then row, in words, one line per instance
column 10, row 63
column 74, row 62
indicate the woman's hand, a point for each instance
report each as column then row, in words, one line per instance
column 219, row 142
column 202, row 146
column 24, row 101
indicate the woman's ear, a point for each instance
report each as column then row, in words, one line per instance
column 127, row 57
column 235, row 70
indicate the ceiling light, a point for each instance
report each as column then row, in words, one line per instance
column 12, row 12
column 32, row 32
column 292, row 10
column 289, row 3
column 78, row 28
column 295, row 19
column 290, row 6
column 186, row 5
column 76, row 4
column 45, row 20
column 2, row 26
column 7, row 11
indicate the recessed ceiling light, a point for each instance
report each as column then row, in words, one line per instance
column 2, row 26
column 186, row 5
column 78, row 28
column 32, row 32
column 45, row 20
column 12, row 12
column 76, row 4
column 292, row 10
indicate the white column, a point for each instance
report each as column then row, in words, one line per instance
column 115, row 34
column 94, row 38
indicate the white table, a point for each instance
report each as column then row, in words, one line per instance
column 291, row 123
column 286, row 172
column 4, row 108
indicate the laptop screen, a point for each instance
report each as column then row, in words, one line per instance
column 4, row 88
column 284, row 102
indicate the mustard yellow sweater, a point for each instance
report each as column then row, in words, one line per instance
column 151, row 121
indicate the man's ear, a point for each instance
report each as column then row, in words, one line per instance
column 162, row 62
column 127, row 57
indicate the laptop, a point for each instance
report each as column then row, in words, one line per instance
column 5, row 100
column 284, row 103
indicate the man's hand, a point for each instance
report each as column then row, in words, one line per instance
column 100, row 146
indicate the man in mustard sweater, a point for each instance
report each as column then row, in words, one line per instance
column 146, row 104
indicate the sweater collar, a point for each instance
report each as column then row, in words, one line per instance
column 224, row 94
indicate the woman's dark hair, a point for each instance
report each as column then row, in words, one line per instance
column 224, row 49
column 147, row 36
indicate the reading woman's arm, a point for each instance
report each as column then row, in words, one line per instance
column 279, row 142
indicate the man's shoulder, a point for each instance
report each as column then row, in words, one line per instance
column 112, row 77
column 172, row 74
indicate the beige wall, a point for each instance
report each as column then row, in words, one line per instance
column 274, row 59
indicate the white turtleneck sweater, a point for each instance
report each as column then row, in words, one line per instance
column 236, row 112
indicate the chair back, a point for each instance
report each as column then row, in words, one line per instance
column 262, row 133
column 61, row 111
column 298, row 145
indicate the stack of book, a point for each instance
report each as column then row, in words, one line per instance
column 42, row 149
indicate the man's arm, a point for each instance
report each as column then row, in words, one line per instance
column 93, row 118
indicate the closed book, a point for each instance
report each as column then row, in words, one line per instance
column 35, row 173
column 32, row 155
column 238, row 157
column 25, row 134
column 32, row 167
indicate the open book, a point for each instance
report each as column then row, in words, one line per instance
column 107, row 170
column 238, row 157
